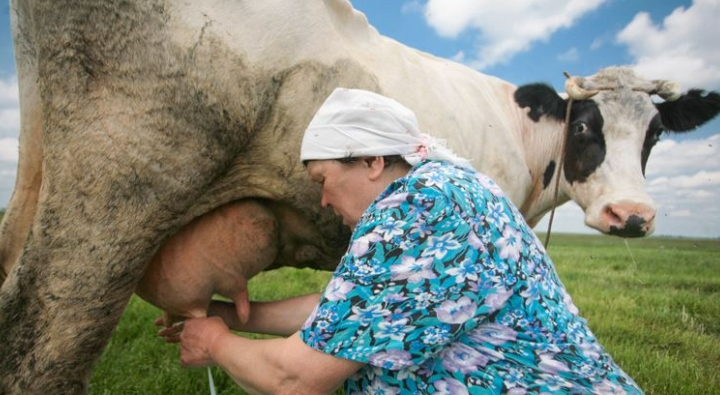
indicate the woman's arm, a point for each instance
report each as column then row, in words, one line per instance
column 279, row 318
column 274, row 366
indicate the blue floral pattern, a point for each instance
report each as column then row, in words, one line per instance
column 445, row 290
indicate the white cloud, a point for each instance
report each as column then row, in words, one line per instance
column 682, row 48
column 507, row 27
column 672, row 158
column 684, row 180
column 9, row 150
column 597, row 43
column 568, row 218
column 412, row 7
column 571, row 55
column 682, row 213
column 698, row 180
column 9, row 131
column 9, row 92
column 9, row 121
column 9, row 108
column 686, row 173
column 459, row 57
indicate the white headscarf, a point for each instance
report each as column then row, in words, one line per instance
column 357, row 123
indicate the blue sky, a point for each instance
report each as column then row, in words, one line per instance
column 525, row 41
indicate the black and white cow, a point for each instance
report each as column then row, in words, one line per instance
column 613, row 126
column 139, row 116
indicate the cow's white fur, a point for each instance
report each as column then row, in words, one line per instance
column 473, row 111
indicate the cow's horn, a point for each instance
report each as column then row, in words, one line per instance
column 668, row 90
column 573, row 87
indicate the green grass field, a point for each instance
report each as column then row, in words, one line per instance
column 653, row 303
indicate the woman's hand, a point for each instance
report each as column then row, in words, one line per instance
column 170, row 334
column 197, row 339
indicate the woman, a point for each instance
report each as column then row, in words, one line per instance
column 443, row 289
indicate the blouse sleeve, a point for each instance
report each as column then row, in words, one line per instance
column 409, row 283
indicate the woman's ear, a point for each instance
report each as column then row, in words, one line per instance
column 376, row 165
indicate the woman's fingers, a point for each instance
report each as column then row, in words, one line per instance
column 172, row 334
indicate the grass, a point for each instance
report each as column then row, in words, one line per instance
column 138, row 362
column 653, row 303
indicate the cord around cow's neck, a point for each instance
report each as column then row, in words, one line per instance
column 566, row 131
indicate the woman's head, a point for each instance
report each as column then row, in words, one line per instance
column 354, row 123
column 349, row 186
column 359, row 142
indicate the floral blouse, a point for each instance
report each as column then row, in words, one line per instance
column 444, row 289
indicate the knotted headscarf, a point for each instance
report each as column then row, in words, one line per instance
column 358, row 123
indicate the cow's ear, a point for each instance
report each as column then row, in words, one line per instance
column 689, row 111
column 542, row 100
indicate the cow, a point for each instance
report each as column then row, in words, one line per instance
column 138, row 118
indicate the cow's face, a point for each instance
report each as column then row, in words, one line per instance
column 610, row 137
column 604, row 161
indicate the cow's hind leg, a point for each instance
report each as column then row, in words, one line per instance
column 21, row 209
column 102, row 212
column 86, row 252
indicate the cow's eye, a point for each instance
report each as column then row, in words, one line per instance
column 580, row 128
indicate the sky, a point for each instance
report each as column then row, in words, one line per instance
column 524, row 41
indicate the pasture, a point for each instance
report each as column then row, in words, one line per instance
column 654, row 303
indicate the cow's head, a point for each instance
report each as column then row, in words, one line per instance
column 613, row 126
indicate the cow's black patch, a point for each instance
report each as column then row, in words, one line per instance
column 690, row 111
column 542, row 100
column 652, row 136
column 634, row 227
column 585, row 146
column 549, row 171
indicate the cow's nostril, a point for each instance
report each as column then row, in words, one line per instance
column 611, row 217
column 628, row 219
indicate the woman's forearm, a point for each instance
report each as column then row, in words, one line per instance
column 275, row 366
column 280, row 318
column 280, row 366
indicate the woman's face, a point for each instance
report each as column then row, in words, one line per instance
column 346, row 187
